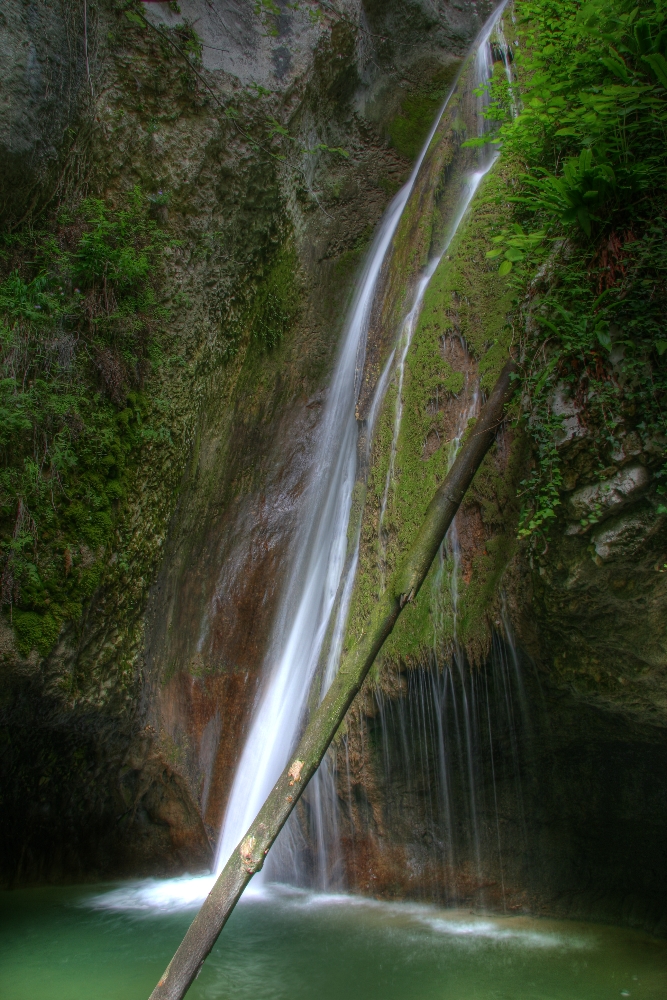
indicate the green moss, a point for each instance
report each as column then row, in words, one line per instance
column 409, row 129
column 35, row 631
column 453, row 383
column 78, row 307
column 465, row 298
column 466, row 294
column 276, row 305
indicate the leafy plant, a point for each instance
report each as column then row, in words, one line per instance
column 514, row 244
column 585, row 251
column 78, row 317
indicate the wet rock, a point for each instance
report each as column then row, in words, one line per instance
column 625, row 535
column 626, row 448
column 572, row 427
column 42, row 74
column 549, row 806
column 590, row 504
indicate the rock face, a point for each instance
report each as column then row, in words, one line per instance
column 42, row 83
column 597, row 597
column 124, row 737
column 465, row 775
column 508, row 795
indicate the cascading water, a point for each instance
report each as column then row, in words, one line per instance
column 445, row 752
column 310, row 624
column 323, row 801
column 321, row 578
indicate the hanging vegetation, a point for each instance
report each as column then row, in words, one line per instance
column 79, row 327
column 586, row 252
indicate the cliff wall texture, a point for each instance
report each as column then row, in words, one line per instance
column 188, row 191
column 189, row 188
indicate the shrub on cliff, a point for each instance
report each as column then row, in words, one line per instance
column 589, row 148
column 78, row 318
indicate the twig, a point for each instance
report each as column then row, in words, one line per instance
column 85, row 45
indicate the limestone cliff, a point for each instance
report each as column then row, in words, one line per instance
column 265, row 148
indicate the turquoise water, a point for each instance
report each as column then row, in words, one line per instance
column 67, row 944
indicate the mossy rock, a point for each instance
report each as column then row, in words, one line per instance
column 409, row 129
column 35, row 631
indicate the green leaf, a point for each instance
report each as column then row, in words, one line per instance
column 513, row 255
column 658, row 64
column 617, row 68
column 505, row 268
column 661, row 346
column 494, row 253
column 545, row 375
column 604, row 338
column 584, row 220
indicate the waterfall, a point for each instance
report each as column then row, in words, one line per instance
column 319, row 569
column 306, row 641
column 445, row 751
column 471, row 170
column 321, row 577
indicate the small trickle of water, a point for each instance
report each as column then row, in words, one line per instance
column 439, row 751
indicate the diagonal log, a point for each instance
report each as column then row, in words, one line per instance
column 249, row 856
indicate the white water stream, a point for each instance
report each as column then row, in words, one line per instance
column 314, row 606
column 323, row 798
column 319, row 574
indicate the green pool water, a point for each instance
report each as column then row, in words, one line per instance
column 67, row 944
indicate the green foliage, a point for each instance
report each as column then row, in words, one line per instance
column 593, row 121
column 514, row 244
column 78, row 322
column 540, row 492
column 589, row 148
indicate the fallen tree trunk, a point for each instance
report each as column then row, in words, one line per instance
column 249, row 857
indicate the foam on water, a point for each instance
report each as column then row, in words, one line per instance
column 156, row 897
column 160, row 895
column 163, row 895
